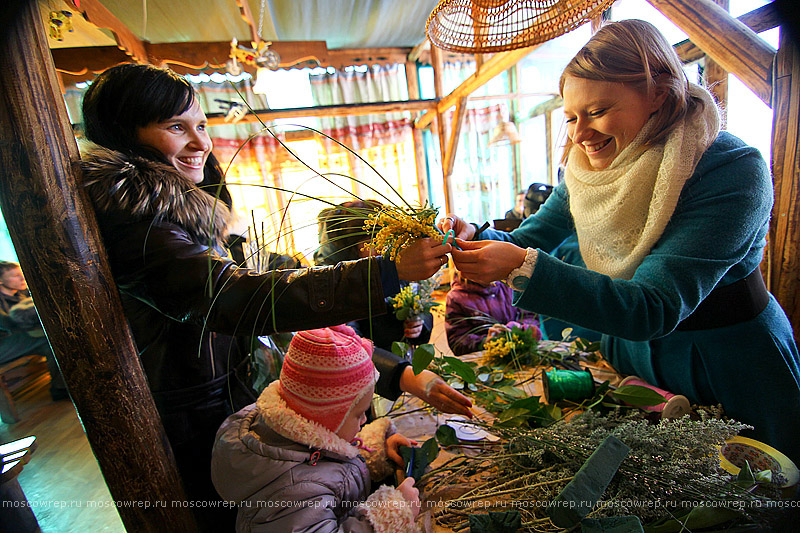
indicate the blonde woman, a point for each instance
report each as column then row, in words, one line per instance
column 671, row 217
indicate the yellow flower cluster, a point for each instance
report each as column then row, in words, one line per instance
column 394, row 228
column 416, row 299
column 407, row 298
column 498, row 350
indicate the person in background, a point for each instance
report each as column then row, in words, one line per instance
column 518, row 212
column 473, row 308
column 299, row 447
column 671, row 217
column 185, row 300
column 21, row 332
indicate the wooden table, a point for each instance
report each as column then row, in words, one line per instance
column 415, row 419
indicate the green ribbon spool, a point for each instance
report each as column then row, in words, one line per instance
column 572, row 385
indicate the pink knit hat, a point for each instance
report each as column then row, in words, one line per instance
column 325, row 373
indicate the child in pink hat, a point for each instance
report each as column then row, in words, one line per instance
column 296, row 460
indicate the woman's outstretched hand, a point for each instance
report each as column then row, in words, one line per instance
column 461, row 229
column 487, row 261
column 422, row 259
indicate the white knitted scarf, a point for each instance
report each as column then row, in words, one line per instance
column 621, row 211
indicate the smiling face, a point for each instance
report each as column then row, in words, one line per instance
column 604, row 117
column 182, row 140
column 356, row 418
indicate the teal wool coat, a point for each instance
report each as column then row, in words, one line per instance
column 716, row 236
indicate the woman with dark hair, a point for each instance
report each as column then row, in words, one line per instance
column 671, row 217
column 184, row 299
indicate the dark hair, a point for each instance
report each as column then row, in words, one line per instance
column 130, row 96
column 5, row 266
column 341, row 231
column 214, row 181
column 636, row 53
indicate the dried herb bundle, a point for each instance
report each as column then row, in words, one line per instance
column 673, row 468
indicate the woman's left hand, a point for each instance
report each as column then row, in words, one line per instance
column 487, row 261
column 412, row 327
column 432, row 389
column 393, row 444
column 422, row 259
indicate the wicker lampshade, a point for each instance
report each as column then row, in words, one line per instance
column 480, row 26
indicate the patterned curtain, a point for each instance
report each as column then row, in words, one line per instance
column 282, row 178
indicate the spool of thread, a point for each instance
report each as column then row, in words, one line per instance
column 573, row 385
column 676, row 405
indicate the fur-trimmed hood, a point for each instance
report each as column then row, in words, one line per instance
column 131, row 186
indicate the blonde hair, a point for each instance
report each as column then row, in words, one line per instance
column 636, row 53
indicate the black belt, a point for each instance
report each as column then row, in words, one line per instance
column 738, row 302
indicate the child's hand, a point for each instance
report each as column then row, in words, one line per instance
column 495, row 330
column 411, row 494
column 393, row 444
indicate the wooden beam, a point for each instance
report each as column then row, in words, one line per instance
column 764, row 18
column 548, row 142
column 56, row 237
column 448, row 162
column 197, row 56
column 96, row 13
column 417, row 51
column 437, row 62
column 498, row 64
column 81, row 64
column 726, row 40
column 783, row 248
column 420, row 159
column 338, row 110
column 716, row 77
column 452, row 142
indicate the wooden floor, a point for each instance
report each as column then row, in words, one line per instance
column 62, row 481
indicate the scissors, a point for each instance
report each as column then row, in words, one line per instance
column 410, row 465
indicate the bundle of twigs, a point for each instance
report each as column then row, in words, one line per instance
column 673, row 467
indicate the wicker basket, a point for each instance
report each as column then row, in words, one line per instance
column 481, row 26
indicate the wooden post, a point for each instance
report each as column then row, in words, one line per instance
column 412, row 79
column 516, row 157
column 56, row 238
column 716, row 77
column 783, row 251
column 437, row 63
column 725, row 39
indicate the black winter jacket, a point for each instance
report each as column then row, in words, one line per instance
column 184, row 301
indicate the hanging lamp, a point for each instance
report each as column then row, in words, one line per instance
column 483, row 26
column 505, row 133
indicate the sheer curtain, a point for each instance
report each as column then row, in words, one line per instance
column 384, row 140
column 482, row 183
